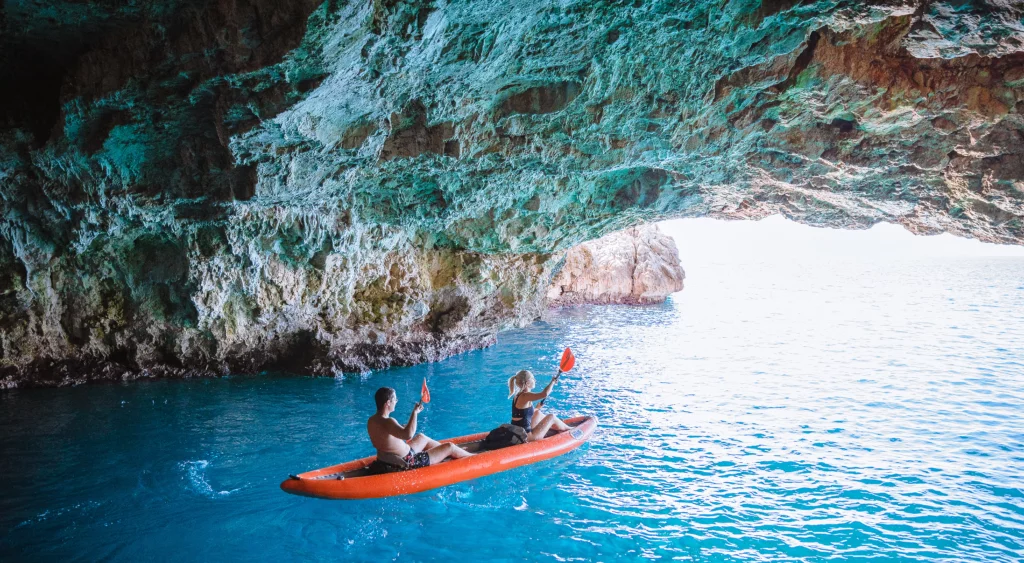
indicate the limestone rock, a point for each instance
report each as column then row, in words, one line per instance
column 211, row 186
column 639, row 265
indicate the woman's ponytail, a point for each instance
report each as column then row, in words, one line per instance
column 519, row 382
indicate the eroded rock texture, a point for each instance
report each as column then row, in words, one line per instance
column 199, row 186
column 638, row 265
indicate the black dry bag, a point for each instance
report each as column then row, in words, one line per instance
column 504, row 436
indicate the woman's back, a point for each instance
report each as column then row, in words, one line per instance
column 522, row 416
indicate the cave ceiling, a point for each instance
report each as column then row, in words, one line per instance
column 456, row 141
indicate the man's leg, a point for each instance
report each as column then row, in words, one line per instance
column 421, row 442
column 441, row 452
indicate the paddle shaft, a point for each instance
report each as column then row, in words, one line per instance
column 559, row 374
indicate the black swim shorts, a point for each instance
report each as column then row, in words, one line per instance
column 410, row 461
column 415, row 461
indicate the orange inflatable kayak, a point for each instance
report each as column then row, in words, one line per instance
column 352, row 480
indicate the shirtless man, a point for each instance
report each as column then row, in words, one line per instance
column 397, row 444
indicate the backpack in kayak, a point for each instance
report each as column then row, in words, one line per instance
column 504, row 436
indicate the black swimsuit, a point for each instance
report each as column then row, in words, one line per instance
column 525, row 416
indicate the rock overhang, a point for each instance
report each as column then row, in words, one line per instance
column 272, row 151
column 825, row 112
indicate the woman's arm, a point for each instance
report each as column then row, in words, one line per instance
column 530, row 396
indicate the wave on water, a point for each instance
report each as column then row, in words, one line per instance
column 195, row 474
column 492, row 496
column 59, row 512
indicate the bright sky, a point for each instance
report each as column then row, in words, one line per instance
column 707, row 240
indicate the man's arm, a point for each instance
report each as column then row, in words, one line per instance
column 409, row 430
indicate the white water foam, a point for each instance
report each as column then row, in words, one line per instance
column 195, row 474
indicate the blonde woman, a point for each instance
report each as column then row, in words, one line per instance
column 524, row 415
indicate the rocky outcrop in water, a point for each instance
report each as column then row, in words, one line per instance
column 639, row 265
column 205, row 186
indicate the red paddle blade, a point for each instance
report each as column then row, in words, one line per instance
column 568, row 360
column 425, row 393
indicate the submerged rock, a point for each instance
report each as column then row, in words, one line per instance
column 213, row 186
column 639, row 265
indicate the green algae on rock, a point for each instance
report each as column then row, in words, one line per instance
column 210, row 186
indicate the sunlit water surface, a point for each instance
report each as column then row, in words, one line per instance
column 841, row 411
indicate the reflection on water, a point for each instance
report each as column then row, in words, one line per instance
column 769, row 412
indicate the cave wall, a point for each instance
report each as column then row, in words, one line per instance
column 205, row 186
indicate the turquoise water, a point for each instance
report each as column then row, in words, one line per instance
column 843, row 411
